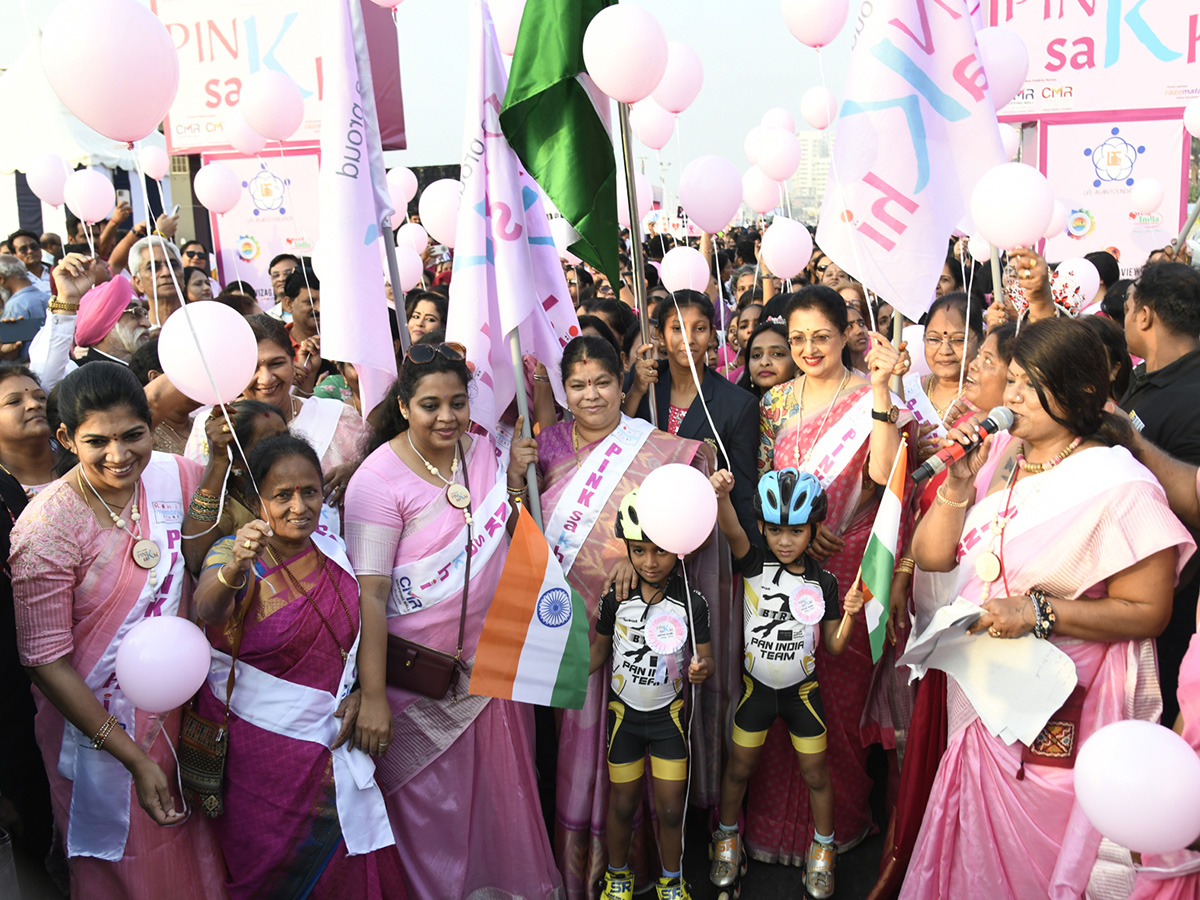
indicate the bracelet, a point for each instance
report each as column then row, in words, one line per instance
column 905, row 565
column 233, row 587
column 545, row 379
column 516, row 492
column 105, row 730
column 201, row 515
column 946, row 501
column 57, row 306
column 1044, row 617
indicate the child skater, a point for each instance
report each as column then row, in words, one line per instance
column 648, row 636
column 787, row 595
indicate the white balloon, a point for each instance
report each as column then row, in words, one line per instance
column 786, row 247
column 408, row 267
column 1074, row 284
column 645, row 199
column 1058, row 220
column 651, row 124
column 625, row 52
column 684, row 268
column 778, row 117
column 752, row 143
column 1005, row 61
column 412, row 235
column 682, row 79
column 1006, row 224
column 1191, row 117
column 506, row 14
column 819, row 107
column 979, row 249
column 760, row 192
column 815, row 22
column 778, row 153
column 1147, row 195
column 1010, row 139
column 155, row 162
column 439, row 209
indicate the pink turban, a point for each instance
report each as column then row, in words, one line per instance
column 100, row 308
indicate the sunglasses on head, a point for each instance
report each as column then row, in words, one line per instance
column 420, row 354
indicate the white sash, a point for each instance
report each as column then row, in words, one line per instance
column 587, row 493
column 838, row 445
column 317, row 422
column 306, row 714
column 919, row 404
column 426, row 582
column 100, row 799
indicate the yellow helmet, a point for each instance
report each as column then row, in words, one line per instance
column 628, row 526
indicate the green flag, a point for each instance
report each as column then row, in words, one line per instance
column 549, row 120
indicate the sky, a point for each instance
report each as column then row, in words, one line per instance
column 751, row 64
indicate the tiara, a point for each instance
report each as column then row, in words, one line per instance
column 774, row 320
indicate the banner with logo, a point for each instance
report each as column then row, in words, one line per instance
column 277, row 213
column 1093, row 169
column 1087, row 56
column 221, row 42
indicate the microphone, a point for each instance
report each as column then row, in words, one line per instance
column 999, row 419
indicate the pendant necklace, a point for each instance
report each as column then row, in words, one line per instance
column 801, row 460
column 145, row 552
column 457, row 494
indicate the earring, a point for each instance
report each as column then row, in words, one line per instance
column 622, row 396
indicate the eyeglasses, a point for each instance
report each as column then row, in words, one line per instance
column 421, row 354
column 159, row 265
column 27, row 248
column 953, row 341
column 822, row 268
column 192, row 254
column 817, row 340
column 137, row 311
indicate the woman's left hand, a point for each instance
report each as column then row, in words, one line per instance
column 347, row 711
column 884, row 360
column 1006, row 617
column 522, row 455
column 335, row 482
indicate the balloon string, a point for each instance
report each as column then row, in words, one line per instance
column 289, row 198
column 87, row 233
column 151, row 231
column 696, row 381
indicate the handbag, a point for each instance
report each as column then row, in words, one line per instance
column 423, row 670
column 203, row 744
column 1057, row 744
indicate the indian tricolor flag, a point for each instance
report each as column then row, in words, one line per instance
column 879, row 560
column 534, row 645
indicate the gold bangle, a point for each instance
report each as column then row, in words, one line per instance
column 56, row 307
column 905, row 565
column 946, row 501
column 105, row 730
column 233, row 587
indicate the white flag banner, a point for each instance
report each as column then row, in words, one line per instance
column 353, row 201
column 916, row 131
column 507, row 272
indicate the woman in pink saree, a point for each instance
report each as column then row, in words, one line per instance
column 1072, row 541
column 78, row 590
column 456, row 771
column 585, row 467
column 824, row 422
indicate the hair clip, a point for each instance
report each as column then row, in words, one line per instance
column 774, row 320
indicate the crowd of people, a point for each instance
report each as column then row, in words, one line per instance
column 320, row 545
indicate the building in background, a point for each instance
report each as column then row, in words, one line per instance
column 806, row 190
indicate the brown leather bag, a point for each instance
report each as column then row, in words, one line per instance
column 423, row 670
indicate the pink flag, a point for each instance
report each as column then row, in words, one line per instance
column 507, row 272
column 353, row 201
column 916, row 131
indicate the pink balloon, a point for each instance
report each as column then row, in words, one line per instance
column 778, row 117
column 754, row 141
column 1139, row 784
column 217, row 187
column 222, row 337
column 163, row 660
column 815, row 22
column 408, row 266
column 272, row 104
column 89, row 195
column 682, row 80
column 1147, row 195
column 412, row 235
column 506, row 14
column 1074, row 284
column 778, row 153
column 46, row 177
column 439, row 209
column 1005, row 61
column 760, row 192
column 241, row 136
column 1003, row 223
column 786, row 247
column 684, row 269
column 123, row 99
column 387, row 4
column 677, row 507
column 625, row 52
column 651, row 124
column 710, row 192
column 819, row 107
column 645, row 199
column 1058, row 220
column 154, row 161
column 402, row 187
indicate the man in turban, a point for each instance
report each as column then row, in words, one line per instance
column 112, row 322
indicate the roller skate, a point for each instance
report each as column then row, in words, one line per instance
column 617, row 885
column 818, row 870
column 728, row 863
column 672, row 889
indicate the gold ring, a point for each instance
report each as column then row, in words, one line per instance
column 249, row 545
column 993, row 632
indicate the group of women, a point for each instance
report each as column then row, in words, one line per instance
column 343, row 777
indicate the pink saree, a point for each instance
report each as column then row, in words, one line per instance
column 582, row 786
column 74, row 584
column 458, row 778
column 779, row 824
column 996, row 828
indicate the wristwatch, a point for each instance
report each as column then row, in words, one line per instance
column 890, row 415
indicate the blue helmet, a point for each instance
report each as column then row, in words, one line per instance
column 790, row 497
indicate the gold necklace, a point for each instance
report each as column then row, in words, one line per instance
column 298, row 588
column 1038, row 468
column 825, row 421
column 575, row 442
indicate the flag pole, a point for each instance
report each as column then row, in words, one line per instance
column 997, row 286
column 518, row 361
column 846, row 617
column 389, row 246
column 635, row 243
column 1187, row 226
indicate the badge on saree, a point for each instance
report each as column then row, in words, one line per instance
column 666, row 632
column 146, row 553
column 987, row 566
column 458, row 495
column 807, row 604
